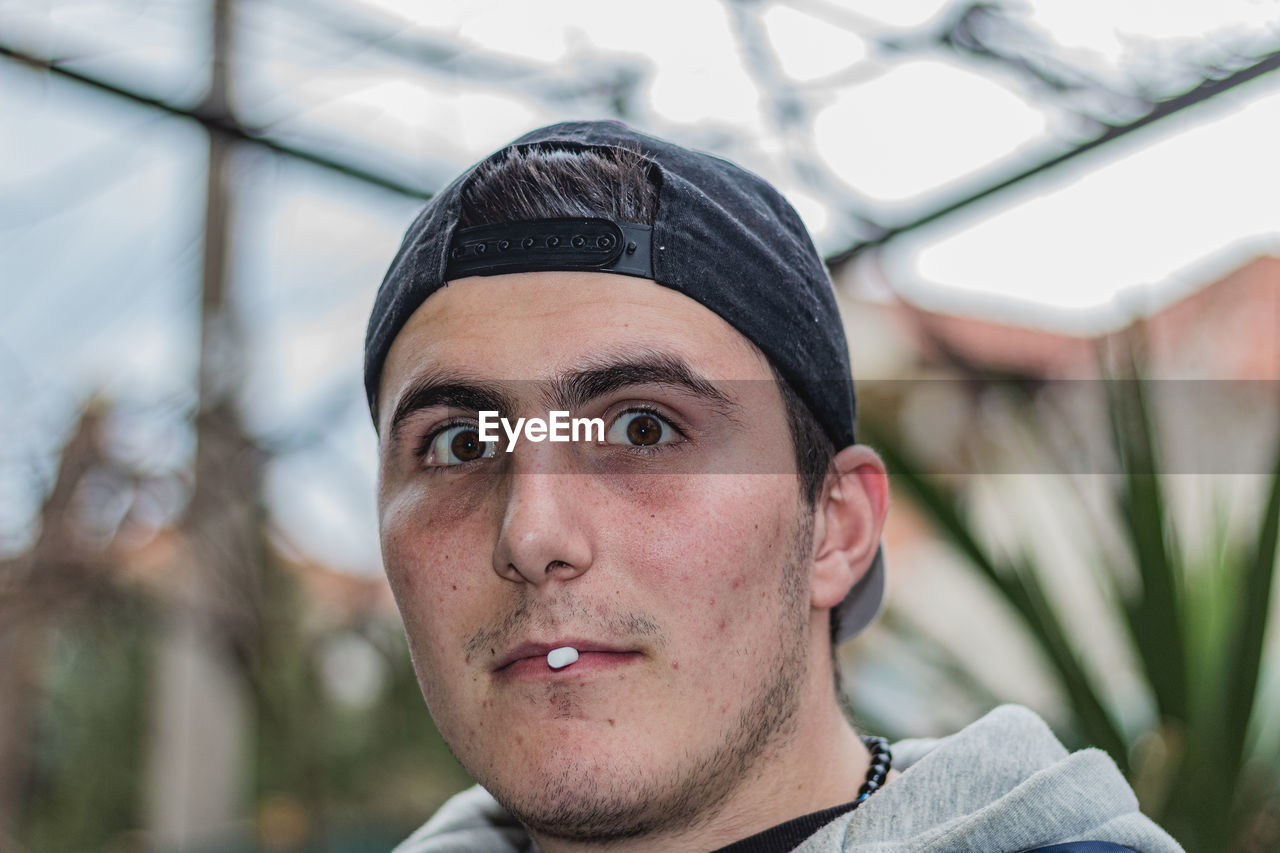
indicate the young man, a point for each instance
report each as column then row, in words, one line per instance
column 625, row 520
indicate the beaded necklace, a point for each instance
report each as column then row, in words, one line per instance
column 878, row 771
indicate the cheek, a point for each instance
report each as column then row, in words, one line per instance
column 436, row 565
column 431, row 555
column 714, row 548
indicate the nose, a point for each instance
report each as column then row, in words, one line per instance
column 543, row 535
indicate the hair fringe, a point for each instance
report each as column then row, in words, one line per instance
column 556, row 183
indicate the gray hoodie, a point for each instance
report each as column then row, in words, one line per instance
column 1001, row 785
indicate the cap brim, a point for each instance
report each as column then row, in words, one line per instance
column 863, row 603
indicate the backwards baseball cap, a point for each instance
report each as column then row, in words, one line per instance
column 721, row 236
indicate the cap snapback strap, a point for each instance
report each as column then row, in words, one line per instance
column 595, row 245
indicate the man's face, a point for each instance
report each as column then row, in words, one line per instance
column 674, row 555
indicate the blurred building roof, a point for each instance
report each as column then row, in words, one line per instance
column 1226, row 329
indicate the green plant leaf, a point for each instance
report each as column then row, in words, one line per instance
column 1154, row 616
column 1243, row 663
column 1019, row 587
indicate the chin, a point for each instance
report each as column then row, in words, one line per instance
column 587, row 798
column 600, row 789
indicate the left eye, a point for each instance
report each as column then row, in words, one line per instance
column 640, row 429
column 457, row 444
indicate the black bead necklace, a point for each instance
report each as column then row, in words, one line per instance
column 878, row 771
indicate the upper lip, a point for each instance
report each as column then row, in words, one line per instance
column 534, row 650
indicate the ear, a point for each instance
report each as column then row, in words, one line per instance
column 848, row 521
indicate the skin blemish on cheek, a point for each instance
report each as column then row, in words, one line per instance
column 611, row 722
column 675, row 665
column 454, row 587
column 721, row 624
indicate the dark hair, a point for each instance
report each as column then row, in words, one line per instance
column 614, row 183
column 555, row 183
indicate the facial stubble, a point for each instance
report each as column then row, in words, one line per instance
column 583, row 804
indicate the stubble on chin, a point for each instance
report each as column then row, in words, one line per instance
column 590, row 801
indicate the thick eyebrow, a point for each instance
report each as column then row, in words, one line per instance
column 431, row 390
column 614, row 373
column 571, row 391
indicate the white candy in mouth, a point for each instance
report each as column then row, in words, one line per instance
column 561, row 657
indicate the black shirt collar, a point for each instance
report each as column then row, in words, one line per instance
column 786, row 837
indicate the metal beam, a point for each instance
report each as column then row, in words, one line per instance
column 215, row 122
column 1162, row 109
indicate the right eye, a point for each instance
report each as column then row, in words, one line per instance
column 457, row 444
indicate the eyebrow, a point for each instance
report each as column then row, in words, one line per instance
column 432, row 390
column 573, row 390
column 611, row 373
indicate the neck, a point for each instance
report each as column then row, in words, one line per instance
column 819, row 763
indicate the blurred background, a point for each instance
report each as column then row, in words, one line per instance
column 1053, row 228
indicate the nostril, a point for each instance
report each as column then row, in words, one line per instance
column 555, row 564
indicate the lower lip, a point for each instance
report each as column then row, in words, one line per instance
column 588, row 663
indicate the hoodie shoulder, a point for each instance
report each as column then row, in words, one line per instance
column 469, row 822
column 1004, row 783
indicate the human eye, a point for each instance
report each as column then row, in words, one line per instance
column 455, row 444
column 641, row 428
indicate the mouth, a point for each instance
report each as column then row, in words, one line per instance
column 535, row 661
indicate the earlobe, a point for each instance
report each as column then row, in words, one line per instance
column 849, row 518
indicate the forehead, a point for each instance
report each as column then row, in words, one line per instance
column 536, row 325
